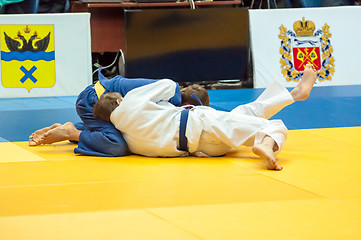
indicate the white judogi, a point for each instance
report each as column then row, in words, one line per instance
column 150, row 124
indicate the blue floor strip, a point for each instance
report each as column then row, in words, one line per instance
column 327, row 107
column 21, row 117
column 3, row 140
column 16, row 104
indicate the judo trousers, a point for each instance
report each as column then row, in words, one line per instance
column 246, row 124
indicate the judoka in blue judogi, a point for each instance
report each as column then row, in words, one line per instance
column 94, row 136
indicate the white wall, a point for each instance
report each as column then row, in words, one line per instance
column 343, row 25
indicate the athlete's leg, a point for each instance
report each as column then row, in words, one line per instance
column 276, row 97
column 38, row 134
column 266, row 150
column 64, row 132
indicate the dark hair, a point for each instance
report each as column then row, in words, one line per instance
column 199, row 91
column 106, row 105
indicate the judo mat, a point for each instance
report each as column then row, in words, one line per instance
column 47, row 192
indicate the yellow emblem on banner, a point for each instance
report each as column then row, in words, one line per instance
column 27, row 56
column 306, row 45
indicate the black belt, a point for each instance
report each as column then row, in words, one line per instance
column 183, row 141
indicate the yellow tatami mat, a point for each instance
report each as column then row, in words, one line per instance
column 47, row 192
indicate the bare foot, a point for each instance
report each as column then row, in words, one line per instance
column 265, row 150
column 304, row 87
column 64, row 132
column 38, row 134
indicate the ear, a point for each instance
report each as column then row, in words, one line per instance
column 119, row 101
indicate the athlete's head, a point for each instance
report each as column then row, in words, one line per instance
column 106, row 105
column 195, row 95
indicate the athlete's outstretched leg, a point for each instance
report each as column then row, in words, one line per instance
column 64, row 132
column 304, row 87
column 266, row 150
column 38, row 134
column 276, row 97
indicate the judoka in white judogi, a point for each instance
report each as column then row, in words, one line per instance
column 151, row 125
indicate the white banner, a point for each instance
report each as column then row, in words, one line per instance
column 284, row 40
column 44, row 54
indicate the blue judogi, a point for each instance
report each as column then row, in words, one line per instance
column 99, row 138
